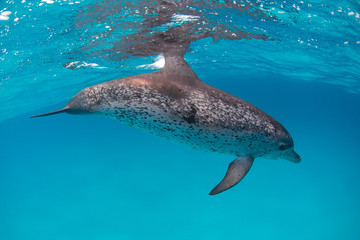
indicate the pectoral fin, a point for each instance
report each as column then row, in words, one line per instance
column 236, row 171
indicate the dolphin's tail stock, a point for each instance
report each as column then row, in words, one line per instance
column 65, row 109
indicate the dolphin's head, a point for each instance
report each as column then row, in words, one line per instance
column 283, row 145
column 286, row 151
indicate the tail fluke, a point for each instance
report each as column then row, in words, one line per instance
column 51, row 113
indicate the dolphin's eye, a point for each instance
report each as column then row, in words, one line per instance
column 283, row 146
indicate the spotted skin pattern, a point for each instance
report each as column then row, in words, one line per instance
column 175, row 104
column 189, row 112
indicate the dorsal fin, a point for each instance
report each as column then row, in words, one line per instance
column 176, row 65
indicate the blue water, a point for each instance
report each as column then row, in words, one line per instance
column 83, row 177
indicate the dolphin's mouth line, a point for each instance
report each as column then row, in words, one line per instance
column 292, row 156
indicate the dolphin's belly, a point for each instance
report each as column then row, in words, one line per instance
column 203, row 122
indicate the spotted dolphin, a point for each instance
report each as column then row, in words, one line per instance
column 175, row 104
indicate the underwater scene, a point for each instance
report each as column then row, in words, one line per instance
column 185, row 70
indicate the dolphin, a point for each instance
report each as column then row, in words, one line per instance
column 175, row 104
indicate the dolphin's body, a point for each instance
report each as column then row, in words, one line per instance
column 174, row 103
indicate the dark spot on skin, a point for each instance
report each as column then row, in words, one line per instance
column 191, row 117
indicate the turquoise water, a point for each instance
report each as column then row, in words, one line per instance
column 83, row 177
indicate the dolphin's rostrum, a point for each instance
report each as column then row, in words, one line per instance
column 174, row 103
